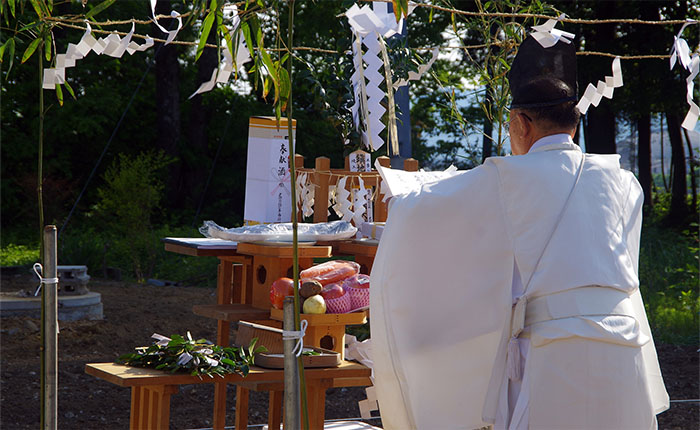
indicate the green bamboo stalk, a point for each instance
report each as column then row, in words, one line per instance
column 40, row 168
column 39, row 188
column 295, row 225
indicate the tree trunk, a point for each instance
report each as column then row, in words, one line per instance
column 600, row 121
column 693, row 172
column 487, row 139
column 168, row 102
column 663, row 162
column 600, row 130
column 644, row 157
column 679, row 188
column 195, row 168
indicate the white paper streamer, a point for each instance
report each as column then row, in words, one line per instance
column 117, row 46
column 594, row 93
column 171, row 33
column 223, row 72
column 162, row 340
column 343, row 202
column 375, row 95
column 367, row 25
column 691, row 117
column 305, row 193
column 548, row 36
column 307, row 200
column 681, row 51
column 360, row 203
column 413, row 76
column 135, row 47
column 111, row 45
column 392, row 132
column 369, row 404
column 359, row 85
column 332, row 199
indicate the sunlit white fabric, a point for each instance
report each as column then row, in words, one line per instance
column 442, row 294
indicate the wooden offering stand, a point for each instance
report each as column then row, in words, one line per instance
column 326, row 331
column 323, row 177
column 247, row 270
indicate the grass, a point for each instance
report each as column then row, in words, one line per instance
column 18, row 255
column 668, row 275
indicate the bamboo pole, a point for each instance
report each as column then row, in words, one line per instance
column 40, row 167
column 300, row 380
column 49, row 327
column 292, row 418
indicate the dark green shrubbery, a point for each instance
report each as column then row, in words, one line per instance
column 668, row 275
column 124, row 230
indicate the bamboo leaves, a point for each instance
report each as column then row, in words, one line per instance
column 40, row 7
column 99, row 8
column 198, row 357
column 268, row 72
column 8, row 46
column 206, row 28
column 30, row 49
column 47, row 45
column 400, row 8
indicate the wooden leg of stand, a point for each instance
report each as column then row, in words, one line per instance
column 241, row 407
column 150, row 407
column 223, row 295
column 316, row 397
column 222, row 332
column 219, row 406
column 274, row 413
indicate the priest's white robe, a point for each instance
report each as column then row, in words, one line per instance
column 441, row 303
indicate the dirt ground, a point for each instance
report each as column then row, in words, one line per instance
column 133, row 312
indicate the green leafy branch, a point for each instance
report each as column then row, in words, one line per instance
column 197, row 357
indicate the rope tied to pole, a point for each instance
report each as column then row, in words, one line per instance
column 37, row 269
column 297, row 335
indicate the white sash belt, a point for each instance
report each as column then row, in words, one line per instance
column 582, row 301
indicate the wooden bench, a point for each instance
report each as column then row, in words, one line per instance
column 151, row 390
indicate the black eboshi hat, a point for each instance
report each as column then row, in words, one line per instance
column 541, row 77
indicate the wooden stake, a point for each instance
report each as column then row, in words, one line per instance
column 49, row 323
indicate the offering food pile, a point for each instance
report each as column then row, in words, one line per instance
column 333, row 287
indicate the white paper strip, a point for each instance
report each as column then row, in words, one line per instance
column 135, row 47
column 111, row 45
column 223, row 72
column 360, row 203
column 49, row 79
column 548, row 36
column 680, row 49
column 366, row 23
column 307, row 198
column 413, row 76
column 171, row 33
column 116, row 46
column 594, row 94
column 343, row 205
column 691, row 117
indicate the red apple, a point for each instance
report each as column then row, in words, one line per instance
column 332, row 291
column 280, row 289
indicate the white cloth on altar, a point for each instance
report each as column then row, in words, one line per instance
column 442, row 293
